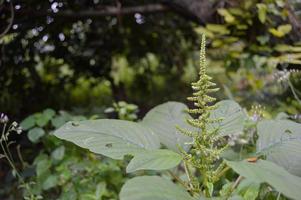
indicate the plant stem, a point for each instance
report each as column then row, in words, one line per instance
column 20, row 156
column 220, row 174
column 177, row 178
column 188, row 173
column 236, row 183
column 7, row 153
column 293, row 91
column 278, row 196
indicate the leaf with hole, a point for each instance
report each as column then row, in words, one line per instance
column 117, row 138
column 112, row 138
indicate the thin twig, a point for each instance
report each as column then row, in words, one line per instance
column 10, row 21
column 20, row 155
column 293, row 91
column 236, row 183
column 278, row 196
column 188, row 173
column 105, row 11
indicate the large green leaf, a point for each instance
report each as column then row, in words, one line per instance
column 154, row 160
column 267, row 172
column 280, row 141
column 233, row 117
column 112, row 138
column 152, row 188
column 117, row 138
column 163, row 120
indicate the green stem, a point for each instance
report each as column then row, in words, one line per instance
column 222, row 172
column 278, row 196
column 188, row 174
column 293, row 91
column 7, row 155
column 177, row 178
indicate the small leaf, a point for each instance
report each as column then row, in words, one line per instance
column 28, row 122
column 58, row 153
column 262, row 12
column 217, row 28
column 285, row 29
column 267, row 172
column 49, row 113
column 41, row 120
column 160, row 159
column 58, row 121
column 50, row 182
column 227, row 15
column 35, row 134
column 281, row 31
column 42, row 166
column 152, row 188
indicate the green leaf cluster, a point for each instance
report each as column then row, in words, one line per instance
column 191, row 156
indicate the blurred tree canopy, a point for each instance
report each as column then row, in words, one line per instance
column 66, row 54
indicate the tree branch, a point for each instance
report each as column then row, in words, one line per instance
column 11, row 20
column 105, row 11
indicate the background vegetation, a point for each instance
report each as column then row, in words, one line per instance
column 61, row 60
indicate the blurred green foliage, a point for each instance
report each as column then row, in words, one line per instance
column 88, row 63
column 252, row 43
column 60, row 170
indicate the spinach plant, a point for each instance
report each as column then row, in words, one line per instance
column 187, row 148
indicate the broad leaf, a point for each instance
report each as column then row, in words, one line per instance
column 152, row 188
column 280, row 142
column 154, row 160
column 248, row 189
column 117, row 138
column 233, row 117
column 267, row 172
column 163, row 120
column 112, row 138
